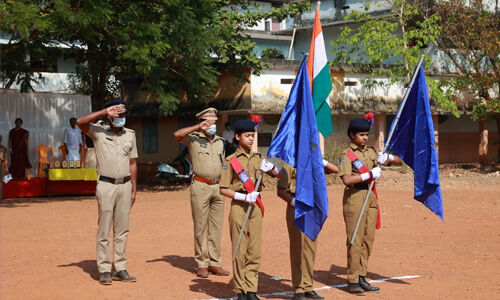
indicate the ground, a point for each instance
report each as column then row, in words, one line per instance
column 47, row 245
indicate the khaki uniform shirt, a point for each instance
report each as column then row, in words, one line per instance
column 288, row 180
column 368, row 156
column 113, row 150
column 251, row 164
column 207, row 157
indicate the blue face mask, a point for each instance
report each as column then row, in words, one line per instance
column 212, row 129
column 118, row 122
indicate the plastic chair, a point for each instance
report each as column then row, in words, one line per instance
column 62, row 149
column 43, row 156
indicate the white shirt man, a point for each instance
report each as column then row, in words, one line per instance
column 72, row 141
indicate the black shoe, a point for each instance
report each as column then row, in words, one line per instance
column 123, row 276
column 313, row 295
column 105, row 278
column 366, row 286
column 299, row 296
column 252, row 296
column 355, row 288
column 241, row 296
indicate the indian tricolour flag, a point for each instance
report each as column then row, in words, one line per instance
column 319, row 78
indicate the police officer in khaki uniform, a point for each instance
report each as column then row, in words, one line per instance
column 206, row 150
column 302, row 248
column 116, row 154
column 357, row 185
column 247, row 260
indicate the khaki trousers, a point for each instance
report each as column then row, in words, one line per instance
column 359, row 252
column 247, row 261
column 302, row 255
column 207, row 208
column 114, row 209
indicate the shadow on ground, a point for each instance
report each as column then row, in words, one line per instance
column 337, row 276
column 88, row 266
column 267, row 283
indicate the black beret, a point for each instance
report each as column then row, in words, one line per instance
column 241, row 126
column 358, row 125
column 114, row 102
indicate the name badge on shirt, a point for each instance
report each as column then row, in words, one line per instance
column 203, row 145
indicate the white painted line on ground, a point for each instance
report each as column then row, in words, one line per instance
column 327, row 287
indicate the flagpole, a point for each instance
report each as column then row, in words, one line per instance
column 393, row 127
column 249, row 210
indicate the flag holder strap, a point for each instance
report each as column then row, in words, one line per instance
column 243, row 226
column 393, row 127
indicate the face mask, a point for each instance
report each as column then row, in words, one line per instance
column 19, row 125
column 211, row 130
column 118, row 122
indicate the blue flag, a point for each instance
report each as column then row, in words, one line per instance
column 297, row 143
column 413, row 141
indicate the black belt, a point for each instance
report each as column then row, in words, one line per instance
column 114, row 180
column 361, row 186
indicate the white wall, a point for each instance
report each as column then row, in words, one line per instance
column 45, row 116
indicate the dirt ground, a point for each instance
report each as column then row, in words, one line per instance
column 47, row 245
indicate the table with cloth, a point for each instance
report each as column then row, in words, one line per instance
column 79, row 181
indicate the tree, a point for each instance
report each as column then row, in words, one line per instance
column 471, row 42
column 270, row 53
column 400, row 36
column 169, row 47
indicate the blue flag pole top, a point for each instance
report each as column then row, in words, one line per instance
column 413, row 140
column 297, row 143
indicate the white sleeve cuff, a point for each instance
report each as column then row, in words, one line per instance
column 239, row 196
column 275, row 170
column 391, row 157
column 365, row 176
column 325, row 162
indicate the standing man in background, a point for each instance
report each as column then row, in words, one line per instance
column 72, row 141
column 18, row 147
column 207, row 204
column 116, row 153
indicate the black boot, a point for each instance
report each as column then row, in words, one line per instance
column 252, row 296
column 366, row 286
column 355, row 288
column 313, row 295
column 241, row 296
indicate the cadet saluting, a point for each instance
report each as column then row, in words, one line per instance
column 116, row 152
column 207, row 204
column 237, row 182
column 357, row 170
column 302, row 248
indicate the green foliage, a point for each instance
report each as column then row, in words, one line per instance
column 471, row 41
column 399, row 38
column 272, row 53
column 169, row 47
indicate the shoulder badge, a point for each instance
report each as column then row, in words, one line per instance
column 244, row 177
column 358, row 164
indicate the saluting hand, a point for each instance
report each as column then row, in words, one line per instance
column 206, row 124
column 115, row 111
